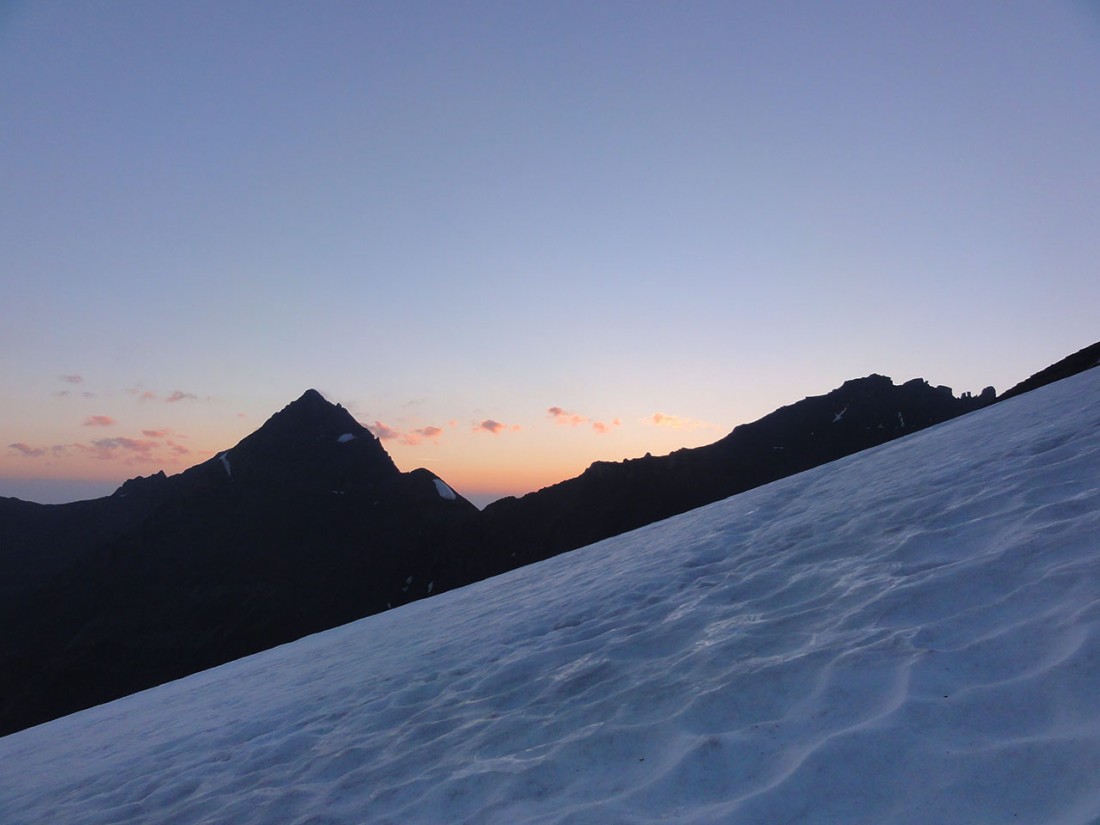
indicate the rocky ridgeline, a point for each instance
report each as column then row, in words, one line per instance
column 307, row 524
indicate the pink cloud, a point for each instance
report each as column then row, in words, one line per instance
column 127, row 450
column 602, row 429
column 155, row 433
column 566, row 417
column 410, row 439
column 413, row 438
column 122, row 443
column 27, row 450
column 491, row 426
column 675, row 422
column 99, row 421
column 179, row 395
column 383, row 432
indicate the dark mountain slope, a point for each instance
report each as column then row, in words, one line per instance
column 611, row 498
column 1079, row 361
column 305, row 524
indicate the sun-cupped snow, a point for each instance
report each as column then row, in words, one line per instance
column 908, row 635
column 444, row 490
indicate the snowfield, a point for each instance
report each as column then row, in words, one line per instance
column 909, row 635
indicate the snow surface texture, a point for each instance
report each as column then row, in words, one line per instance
column 909, row 635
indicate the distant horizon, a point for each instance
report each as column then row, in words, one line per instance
column 55, row 490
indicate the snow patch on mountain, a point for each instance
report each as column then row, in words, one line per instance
column 444, row 490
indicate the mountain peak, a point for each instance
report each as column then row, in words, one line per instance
column 312, row 416
column 311, row 396
column 310, row 440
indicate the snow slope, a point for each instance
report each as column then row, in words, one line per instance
column 909, row 635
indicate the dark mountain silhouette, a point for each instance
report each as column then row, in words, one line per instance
column 611, row 498
column 307, row 524
column 1080, row 361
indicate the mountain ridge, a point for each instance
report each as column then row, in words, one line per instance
column 307, row 523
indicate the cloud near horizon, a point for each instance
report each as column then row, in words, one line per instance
column 566, row 417
column 571, row 419
column 99, row 421
column 158, row 447
column 495, row 427
column 675, row 422
column 383, row 432
column 71, row 379
column 27, row 450
column 411, row 438
column 430, row 433
column 105, row 447
column 179, row 395
column 173, row 397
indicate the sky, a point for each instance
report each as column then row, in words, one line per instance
column 516, row 238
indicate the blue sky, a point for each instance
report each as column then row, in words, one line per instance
column 442, row 215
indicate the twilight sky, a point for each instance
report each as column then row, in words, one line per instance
column 514, row 238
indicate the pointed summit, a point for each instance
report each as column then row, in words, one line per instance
column 312, row 416
column 311, row 442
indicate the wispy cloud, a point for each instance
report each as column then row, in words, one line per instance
column 174, row 397
column 179, row 395
column 382, row 431
column 71, row 379
column 569, row 418
column 603, row 428
column 414, row 437
column 99, row 421
column 410, row 438
column 676, row 422
column 489, row 425
column 169, row 438
column 27, row 450
column 130, row 445
column 562, row 416
column 125, row 450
